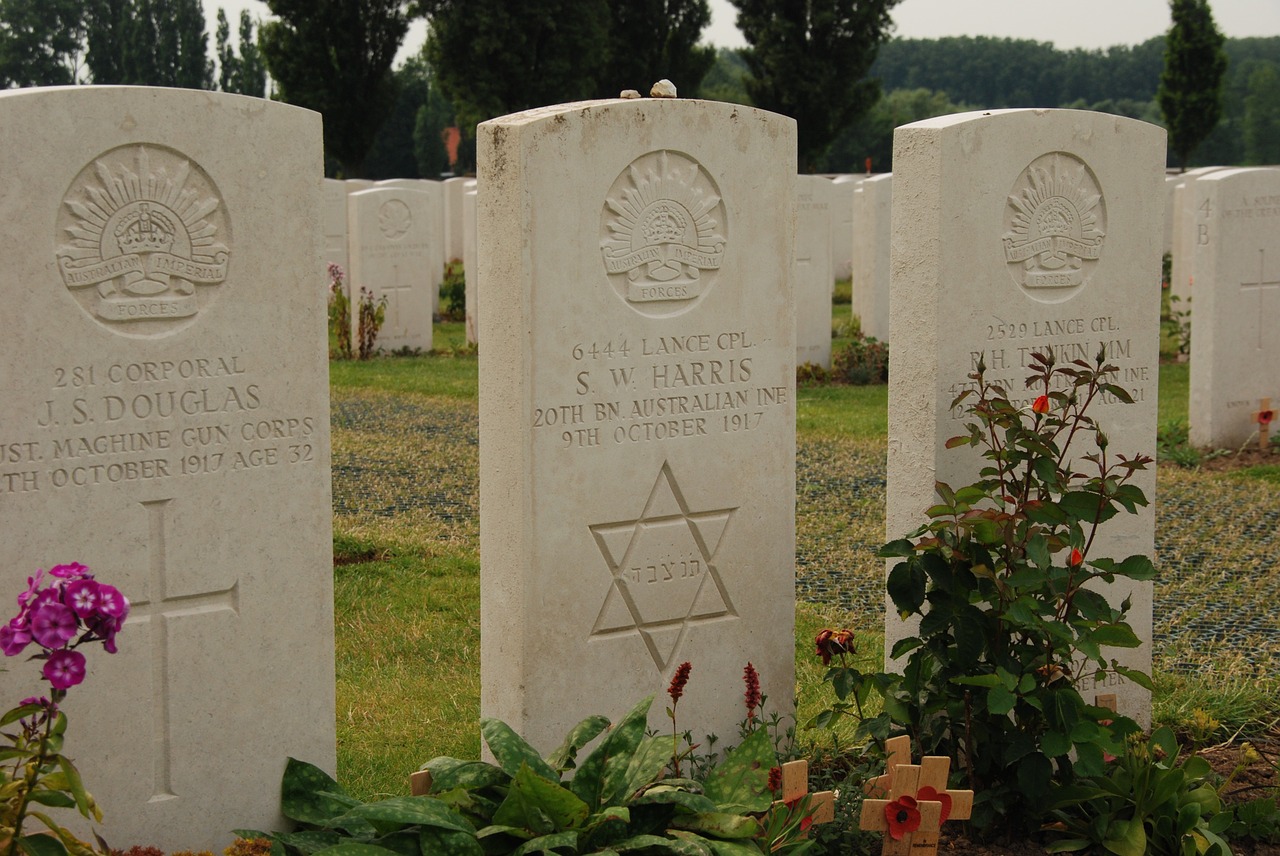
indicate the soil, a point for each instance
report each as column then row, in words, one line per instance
column 1261, row 778
column 1249, row 456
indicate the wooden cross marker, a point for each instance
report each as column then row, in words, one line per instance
column 795, row 786
column 1263, row 416
column 905, row 779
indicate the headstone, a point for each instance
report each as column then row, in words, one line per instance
column 859, row 299
column 814, row 283
column 335, row 223
column 454, row 189
column 1048, row 238
column 876, row 199
column 435, row 190
column 637, row 411
column 470, row 264
column 166, row 417
column 1171, row 198
column 1235, row 352
column 842, row 188
column 1186, row 233
column 392, row 255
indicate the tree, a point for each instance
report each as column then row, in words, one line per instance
column 494, row 57
column 872, row 135
column 334, row 57
column 1262, row 116
column 244, row 74
column 391, row 154
column 1190, row 91
column 726, row 81
column 40, row 42
column 654, row 39
column 809, row 60
column 149, row 43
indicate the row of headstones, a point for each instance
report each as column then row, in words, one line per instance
column 393, row 238
column 1225, row 242
column 167, row 404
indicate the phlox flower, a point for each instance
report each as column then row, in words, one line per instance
column 14, row 637
column 53, row 625
column 112, row 603
column 64, row 669
column 82, row 597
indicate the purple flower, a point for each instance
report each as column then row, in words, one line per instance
column 82, row 597
column 73, row 571
column 105, row 627
column 54, row 625
column 112, row 603
column 64, row 669
column 33, row 588
column 14, row 637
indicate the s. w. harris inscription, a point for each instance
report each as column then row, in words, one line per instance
column 144, row 239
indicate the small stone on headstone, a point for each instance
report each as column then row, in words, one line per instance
column 663, row 89
column 629, row 93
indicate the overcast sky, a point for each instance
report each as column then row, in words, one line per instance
column 1070, row 24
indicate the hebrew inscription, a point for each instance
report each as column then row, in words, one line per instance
column 1055, row 222
column 663, row 233
column 144, row 240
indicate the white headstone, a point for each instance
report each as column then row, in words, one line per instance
column 637, row 412
column 875, row 233
column 165, row 382
column 814, row 283
column 1047, row 238
column 392, row 255
column 1186, row 233
column 454, row 188
column 335, row 223
column 435, row 190
column 1235, row 352
column 470, row 263
column 842, row 188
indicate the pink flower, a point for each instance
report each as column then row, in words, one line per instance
column 73, row 571
column 111, row 602
column 64, row 669
column 53, row 625
column 82, row 597
column 14, row 637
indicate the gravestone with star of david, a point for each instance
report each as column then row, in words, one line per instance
column 395, row 255
column 166, row 423
column 1048, row 238
column 637, row 422
column 1235, row 321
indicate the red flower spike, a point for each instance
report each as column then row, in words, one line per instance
column 930, row 794
column 775, row 780
column 752, row 696
column 678, row 681
column 1041, row 405
column 902, row 817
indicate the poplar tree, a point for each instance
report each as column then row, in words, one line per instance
column 808, row 59
column 149, row 43
column 40, row 42
column 654, row 39
column 1195, row 64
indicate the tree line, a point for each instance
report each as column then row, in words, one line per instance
column 830, row 64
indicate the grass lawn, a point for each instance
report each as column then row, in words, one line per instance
column 407, row 566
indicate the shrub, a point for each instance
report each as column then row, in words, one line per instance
column 372, row 315
column 862, row 362
column 453, row 292
column 339, row 315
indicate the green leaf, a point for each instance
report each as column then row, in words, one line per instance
column 408, row 811
column 447, row 842
column 899, row 549
column 84, row 802
column 1055, row 744
column 906, row 586
column 580, row 735
column 1115, row 635
column 1079, row 505
column 310, row 795
column 718, row 823
column 355, row 848
column 1138, row 677
column 646, row 764
column 41, row 845
column 991, row 680
column 665, row 795
column 1000, row 701
column 741, row 780
column 539, row 805
column 1067, row 845
column 1126, row 838
column 20, row 712
column 308, row 841
column 449, row 773
column 643, row 842
column 1137, row 568
column 511, row 751
column 601, row 772
column 548, row 844
column 53, row 799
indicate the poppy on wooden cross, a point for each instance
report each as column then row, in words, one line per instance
column 912, row 802
column 1263, row 416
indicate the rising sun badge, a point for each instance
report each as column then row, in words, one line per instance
column 1055, row 223
column 144, row 239
column 663, row 233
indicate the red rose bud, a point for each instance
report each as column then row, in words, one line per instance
column 1041, row 405
column 1076, row 557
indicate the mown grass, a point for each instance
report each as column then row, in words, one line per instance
column 407, row 566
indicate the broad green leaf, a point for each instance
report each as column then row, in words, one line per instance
column 906, row 586
column 450, row 773
column 409, row 811
column 1079, row 505
column 353, row 848
column 53, row 799
column 510, row 750
column 580, row 735
column 899, row 549
column 1067, row 845
column 448, row 842
column 84, row 801
column 1000, row 701
column 1126, row 838
column 41, row 845
column 310, row 795
column 590, row 782
column 20, row 712
column 539, row 805
column 643, row 842
column 1055, row 744
column 991, row 680
column 741, row 780
column 1115, row 635
column 310, row 841
column 718, row 823
column 549, row 844
column 662, row 795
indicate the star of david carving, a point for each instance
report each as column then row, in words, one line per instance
column 665, row 574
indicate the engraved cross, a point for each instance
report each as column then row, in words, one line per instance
column 159, row 610
column 1262, row 285
column 397, row 292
